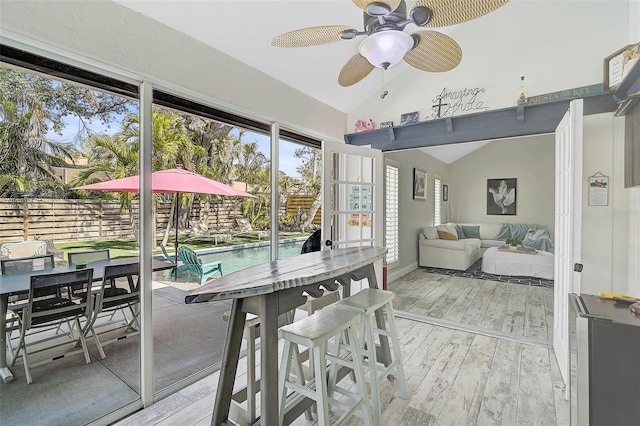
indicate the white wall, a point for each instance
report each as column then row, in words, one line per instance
column 414, row 214
column 529, row 159
column 605, row 229
column 590, row 31
column 125, row 40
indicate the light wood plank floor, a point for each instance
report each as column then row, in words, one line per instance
column 454, row 377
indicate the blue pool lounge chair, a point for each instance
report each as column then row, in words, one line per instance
column 196, row 268
column 178, row 269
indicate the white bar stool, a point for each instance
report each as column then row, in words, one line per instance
column 243, row 402
column 315, row 332
column 365, row 303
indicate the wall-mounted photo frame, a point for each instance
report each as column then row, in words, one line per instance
column 445, row 192
column 410, row 117
column 618, row 64
column 419, row 184
column 385, row 124
column 599, row 190
column 501, row 196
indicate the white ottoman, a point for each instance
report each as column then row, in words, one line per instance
column 498, row 262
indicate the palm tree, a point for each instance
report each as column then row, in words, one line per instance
column 27, row 157
column 118, row 156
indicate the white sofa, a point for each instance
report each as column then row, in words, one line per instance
column 459, row 254
column 456, row 254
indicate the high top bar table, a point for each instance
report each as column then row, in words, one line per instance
column 273, row 288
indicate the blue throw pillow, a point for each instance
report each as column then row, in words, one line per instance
column 461, row 233
column 471, row 231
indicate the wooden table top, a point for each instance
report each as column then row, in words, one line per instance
column 297, row 271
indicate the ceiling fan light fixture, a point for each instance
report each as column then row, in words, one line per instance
column 386, row 48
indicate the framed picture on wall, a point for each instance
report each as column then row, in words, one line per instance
column 445, row 192
column 501, row 196
column 409, row 118
column 419, row 184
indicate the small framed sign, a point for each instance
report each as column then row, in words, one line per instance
column 386, row 124
column 618, row 65
column 599, row 190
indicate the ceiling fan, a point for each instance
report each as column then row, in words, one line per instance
column 386, row 43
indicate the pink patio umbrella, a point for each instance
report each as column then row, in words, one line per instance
column 170, row 181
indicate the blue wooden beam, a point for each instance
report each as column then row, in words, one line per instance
column 511, row 122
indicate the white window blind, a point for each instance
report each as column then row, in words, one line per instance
column 437, row 195
column 391, row 216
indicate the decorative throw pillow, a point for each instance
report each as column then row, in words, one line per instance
column 471, row 231
column 534, row 234
column 430, row 233
column 447, row 232
column 461, row 233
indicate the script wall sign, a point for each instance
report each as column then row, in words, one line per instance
column 450, row 103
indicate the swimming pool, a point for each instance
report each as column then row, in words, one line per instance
column 246, row 255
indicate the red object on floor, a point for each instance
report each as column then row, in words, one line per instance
column 384, row 276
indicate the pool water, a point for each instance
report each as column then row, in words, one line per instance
column 241, row 257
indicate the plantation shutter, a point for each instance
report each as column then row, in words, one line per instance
column 391, row 216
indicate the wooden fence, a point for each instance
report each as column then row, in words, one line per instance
column 68, row 220
column 304, row 202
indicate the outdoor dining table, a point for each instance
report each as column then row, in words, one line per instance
column 19, row 283
column 271, row 289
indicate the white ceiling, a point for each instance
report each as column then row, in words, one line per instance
column 244, row 29
column 533, row 34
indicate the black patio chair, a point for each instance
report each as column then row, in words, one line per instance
column 26, row 264
column 111, row 298
column 84, row 257
column 16, row 302
column 51, row 302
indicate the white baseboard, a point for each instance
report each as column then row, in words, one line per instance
column 396, row 273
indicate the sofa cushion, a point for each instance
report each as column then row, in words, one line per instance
column 445, row 244
column 430, row 233
column 489, row 231
column 460, row 231
column 447, row 231
column 471, row 231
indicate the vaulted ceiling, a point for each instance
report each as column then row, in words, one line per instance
column 244, row 30
column 531, row 33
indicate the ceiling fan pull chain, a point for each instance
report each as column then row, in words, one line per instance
column 384, row 92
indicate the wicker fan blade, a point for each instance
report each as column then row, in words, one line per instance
column 451, row 12
column 354, row 70
column 435, row 52
column 311, row 36
column 362, row 4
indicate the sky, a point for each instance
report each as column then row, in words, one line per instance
column 288, row 163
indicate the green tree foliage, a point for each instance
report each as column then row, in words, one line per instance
column 311, row 171
column 34, row 106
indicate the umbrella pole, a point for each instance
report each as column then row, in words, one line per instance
column 175, row 223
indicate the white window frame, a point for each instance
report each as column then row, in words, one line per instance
column 437, row 200
column 391, row 217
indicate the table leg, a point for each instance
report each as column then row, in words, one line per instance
column 5, row 373
column 233, row 342
column 269, row 359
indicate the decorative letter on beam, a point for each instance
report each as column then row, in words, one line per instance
column 520, row 114
column 449, row 125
